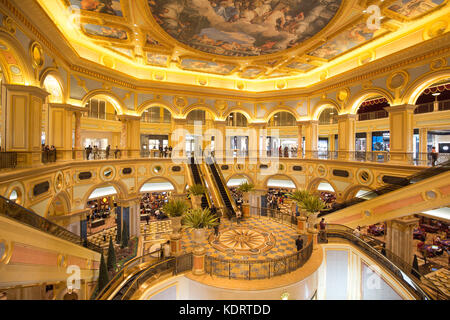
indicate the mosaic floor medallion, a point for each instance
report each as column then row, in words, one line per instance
column 242, row 241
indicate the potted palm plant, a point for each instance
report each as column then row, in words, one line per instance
column 245, row 188
column 298, row 196
column 175, row 209
column 199, row 220
column 196, row 192
column 312, row 205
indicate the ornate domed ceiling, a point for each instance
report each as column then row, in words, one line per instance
column 238, row 40
column 243, row 27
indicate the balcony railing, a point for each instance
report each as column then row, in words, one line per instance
column 100, row 116
column 429, row 107
column 8, row 160
column 373, row 115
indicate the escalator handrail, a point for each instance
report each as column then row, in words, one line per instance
column 406, row 269
column 121, row 272
column 222, row 181
column 202, row 182
column 40, row 223
column 389, row 187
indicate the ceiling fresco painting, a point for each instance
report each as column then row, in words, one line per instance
column 207, row 66
column 414, row 8
column 157, row 59
column 345, row 41
column 104, row 31
column 243, row 27
column 111, row 7
column 240, row 39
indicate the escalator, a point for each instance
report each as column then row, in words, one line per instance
column 227, row 199
column 394, row 185
column 27, row 217
column 195, row 170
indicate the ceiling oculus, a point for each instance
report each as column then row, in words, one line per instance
column 243, row 27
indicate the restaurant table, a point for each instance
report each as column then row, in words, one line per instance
column 97, row 223
column 429, row 228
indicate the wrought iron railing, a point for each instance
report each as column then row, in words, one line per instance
column 258, row 269
column 411, row 278
column 8, row 160
column 14, row 211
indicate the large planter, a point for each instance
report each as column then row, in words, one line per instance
column 312, row 220
column 176, row 224
column 199, row 236
column 196, row 201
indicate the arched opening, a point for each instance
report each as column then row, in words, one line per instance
column 324, row 190
column 372, row 109
column 280, row 182
column 105, row 108
column 154, row 194
column 101, row 220
column 328, row 116
column 283, row 143
column 237, row 119
column 361, row 192
column 52, row 86
column 16, row 196
column 195, row 141
column 435, row 98
column 157, row 122
column 237, row 180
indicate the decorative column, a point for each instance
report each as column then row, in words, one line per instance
column 311, row 132
column 300, row 139
column 77, row 145
column 253, row 143
column 346, row 132
column 399, row 237
column 22, row 122
column 61, row 127
column 130, row 209
column 331, row 144
column 220, row 141
column 175, row 244
column 401, row 132
column 178, row 138
column 368, row 141
column 423, row 145
column 130, row 139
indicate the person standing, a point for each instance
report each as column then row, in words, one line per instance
column 166, row 249
column 434, row 156
column 108, row 149
column 147, row 219
column 116, row 152
column 299, row 243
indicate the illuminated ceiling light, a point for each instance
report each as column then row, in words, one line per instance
column 436, row 94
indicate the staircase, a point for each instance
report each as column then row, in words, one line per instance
column 198, row 180
column 223, row 189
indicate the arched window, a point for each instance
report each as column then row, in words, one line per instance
column 156, row 115
column 236, row 119
column 52, row 85
column 282, row 119
column 328, row 116
column 196, row 115
column 99, row 108
column 373, row 109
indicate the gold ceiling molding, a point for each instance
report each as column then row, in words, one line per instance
column 435, row 29
column 438, row 64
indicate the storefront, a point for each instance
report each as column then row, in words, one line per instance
column 361, row 142
column 381, row 141
column 323, row 145
column 153, row 142
column 102, row 204
column 239, row 145
column 289, row 142
column 440, row 139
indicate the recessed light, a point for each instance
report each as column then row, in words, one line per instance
column 436, row 94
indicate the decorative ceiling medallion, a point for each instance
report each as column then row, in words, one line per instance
column 159, row 76
column 281, row 84
column 366, row 57
column 240, row 85
column 180, row 102
column 435, row 29
column 203, row 81
column 243, row 28
column 343, row 95
column 109, row 62
column 37, row 55
column 397, row 80
column 438, row 64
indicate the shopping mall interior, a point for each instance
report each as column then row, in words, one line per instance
column 224, row 150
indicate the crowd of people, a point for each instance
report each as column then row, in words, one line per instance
column 165, row 152
column 151, row 205
column 95, row 153
column 48, row 153
column 328, row 197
